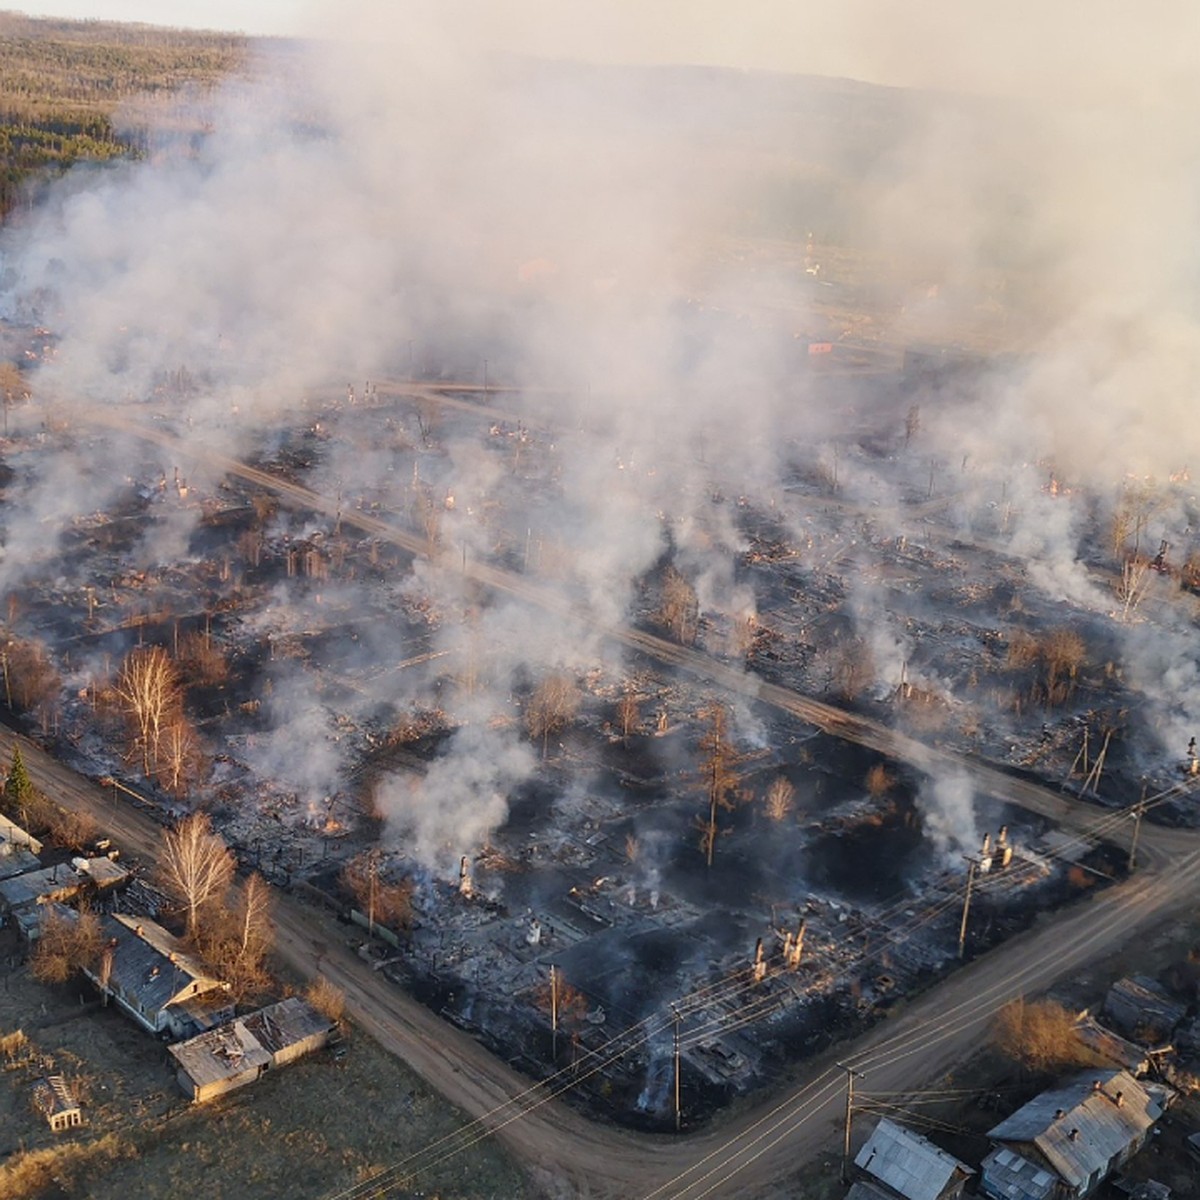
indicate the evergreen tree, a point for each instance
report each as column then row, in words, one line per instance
column 18, row 788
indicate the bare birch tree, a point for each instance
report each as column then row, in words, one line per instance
column 1135, row 580
column 196, row 867
column 255, row 917
column 780, row 799
column 181, row 754
column 679, row 610
column 628, row 711
column 718, row 771
column 554, row 702
column 148, row 690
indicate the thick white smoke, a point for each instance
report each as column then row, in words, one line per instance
column 416, row 178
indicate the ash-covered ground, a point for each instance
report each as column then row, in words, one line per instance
column 525, row 471
column 350, row 708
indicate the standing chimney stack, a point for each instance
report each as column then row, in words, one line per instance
column 792, row 954
column 760, row 963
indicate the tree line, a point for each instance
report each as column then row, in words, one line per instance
column 62, row 81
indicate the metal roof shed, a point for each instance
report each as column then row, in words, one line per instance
column 910, row 1166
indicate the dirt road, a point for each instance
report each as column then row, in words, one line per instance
column 741, row 1157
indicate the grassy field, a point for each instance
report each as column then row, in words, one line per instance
column 307, row 1131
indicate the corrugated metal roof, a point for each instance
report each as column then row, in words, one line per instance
column 149, row 964
column 1009, row 1176
column 284, row 1024
column 57, row 882
column 908, row 1163
column 16, row 860
column 1103, row 1128
column 863, row 1190
column 1128, row 1055
column 1141, row 1007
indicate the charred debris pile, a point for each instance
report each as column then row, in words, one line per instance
column 591, row 866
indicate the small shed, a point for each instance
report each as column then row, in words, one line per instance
column 56, row 1102
column 15, row 835
column 907, row 1166
column 218, row 1061
column 1117, row 1050
column 105, row 873
column 60, row 882
column 1140, row 1008
column 16, row 860
column 289, row 1029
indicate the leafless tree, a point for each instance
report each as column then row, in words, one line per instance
column 31, row 680
column 679, row 610
column 1063, row 653
column 104, row 968
column 202, row 661
column 740, row 639
column 148, row 690
column 73, row 830
column 718, row 772
column 255, row 917
column 852, row 667
column 1040, row 1036
column 65, row 945
column 1135, row 580
column 181, row 756
column 553, row 704
column 12, row 386
column 912, row 423
column 1189, row 573
column 250, row 546
column 628, row 711
column 196, row 867
column 780, row 798
column 385, row 902
column 265, row 507
column 233, row 938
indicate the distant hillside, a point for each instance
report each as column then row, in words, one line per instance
column 61, row 83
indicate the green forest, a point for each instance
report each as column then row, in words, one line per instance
column 72, row 91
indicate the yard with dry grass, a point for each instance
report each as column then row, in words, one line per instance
column 306, row 1131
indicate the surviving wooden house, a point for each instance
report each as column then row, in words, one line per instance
column 150, row 975
column 1065, row 1142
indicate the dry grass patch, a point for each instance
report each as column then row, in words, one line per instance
column 62, row 1167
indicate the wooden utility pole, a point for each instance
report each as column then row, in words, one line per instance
column 962, row 929
column 554, row 1009
column 851, row 1076
column 1092, row 781
column 1137, row 828
column 372, row 876
column 678, row 1111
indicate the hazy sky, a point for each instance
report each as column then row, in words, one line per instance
column 1018, row 46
